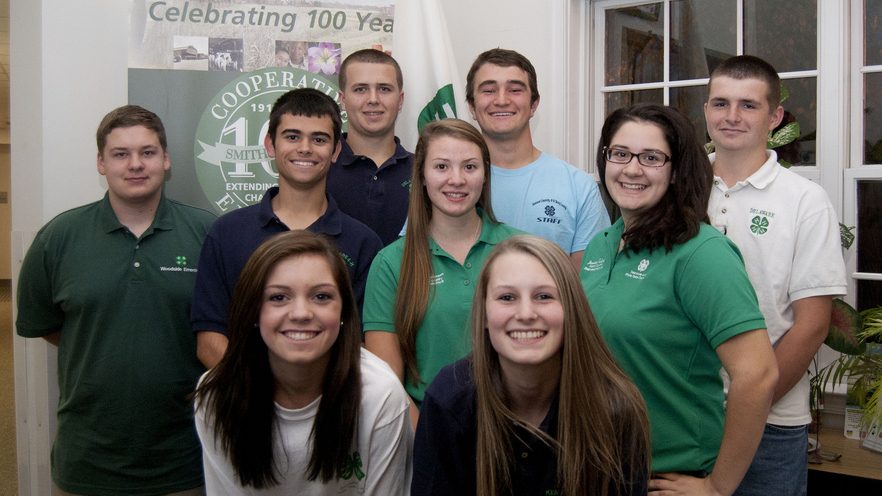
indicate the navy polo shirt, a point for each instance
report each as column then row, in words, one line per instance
column 376, row 196
column 234, row 237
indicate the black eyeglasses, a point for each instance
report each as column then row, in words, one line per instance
column 646, row 159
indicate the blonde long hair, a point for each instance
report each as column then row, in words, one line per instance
column 602, row 429
column 412, row 296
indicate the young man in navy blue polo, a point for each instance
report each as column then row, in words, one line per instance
column 304, row 138
column 371, row 178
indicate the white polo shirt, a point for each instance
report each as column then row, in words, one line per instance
column 788, row 233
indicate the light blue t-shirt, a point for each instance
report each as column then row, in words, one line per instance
column 552, row 199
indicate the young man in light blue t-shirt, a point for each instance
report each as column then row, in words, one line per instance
column 532, row 190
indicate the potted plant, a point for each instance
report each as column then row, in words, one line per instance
column 858, row 336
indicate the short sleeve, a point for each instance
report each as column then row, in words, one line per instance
column 591, row 217
column 38, row 314
column 379, row 298
column 818, row 266
column 212, row 293
column 715, row 292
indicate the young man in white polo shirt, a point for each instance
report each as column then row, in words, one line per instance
column 788, row 232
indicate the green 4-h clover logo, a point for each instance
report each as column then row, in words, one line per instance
column 351, row 467
column 759, row 225
column 181, row 260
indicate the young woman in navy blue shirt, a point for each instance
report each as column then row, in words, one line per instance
column 541, row 406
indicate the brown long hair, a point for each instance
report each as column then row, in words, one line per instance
column 412, row 295
column 238, row 393
column 602, row 428
column 679, row 213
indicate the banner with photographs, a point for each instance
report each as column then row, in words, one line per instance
column 212, row 70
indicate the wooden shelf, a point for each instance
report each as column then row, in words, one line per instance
column 856, row 461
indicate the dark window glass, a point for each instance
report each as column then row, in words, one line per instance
column 869, row 232
column 873, row 32
column 785, row 34
column 702, row 36
column 690, row 101
column 802, row 105
column 619, row 99
column 873, row 118
column 634, row 44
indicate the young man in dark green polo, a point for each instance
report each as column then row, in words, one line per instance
column 110, row 284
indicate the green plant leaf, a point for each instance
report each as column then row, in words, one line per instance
column 785, row 93
column 845, row 324
column 709, row 147
column 846, row 235
column 783, row 136
column 871, row 329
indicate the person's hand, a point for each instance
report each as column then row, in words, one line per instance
column 672, row 483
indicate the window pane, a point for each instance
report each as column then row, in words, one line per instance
column 869, row 294
column 801, row 106
column 619, row 99
column 873, row 118
column 634, row 44
column 690, row 100
column 869, row 231
column 785, row 34
column 702, row 36
column 873, row 32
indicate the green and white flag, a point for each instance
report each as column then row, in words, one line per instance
column 432, row 86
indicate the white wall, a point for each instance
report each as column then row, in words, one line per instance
column 541, row 32
column 69, row 67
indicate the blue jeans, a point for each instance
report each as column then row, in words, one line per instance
column 780, row 466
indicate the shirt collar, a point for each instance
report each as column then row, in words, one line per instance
column 348, row 157
column 330, row 222
column 109, row 222
column 762, row 178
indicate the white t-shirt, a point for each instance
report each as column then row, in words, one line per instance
column 381, row 462
column 788, row 233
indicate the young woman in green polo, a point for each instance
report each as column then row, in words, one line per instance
column 419, row 290
column 674, row 304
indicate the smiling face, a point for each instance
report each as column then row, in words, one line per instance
column 738, row 114
column 134, row 164
column 304, row 150
column 633, row 187
column 372, row 98
column 524, row 312
column 502, row 104
column 283, row 58
column 300, row 313
column 454, row 176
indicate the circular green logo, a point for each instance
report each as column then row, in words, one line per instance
column 232, row 165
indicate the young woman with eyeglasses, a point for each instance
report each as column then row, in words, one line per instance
column 674, row 304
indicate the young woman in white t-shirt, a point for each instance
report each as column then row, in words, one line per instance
column 296, row 406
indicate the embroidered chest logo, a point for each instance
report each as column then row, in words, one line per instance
column 179, row 266
column 549, row 210
column 640, row 273
column 593, row 265
column 759, row 225
column 351, row 467
column 436, row 279
column 406, row 185
column 347, row 259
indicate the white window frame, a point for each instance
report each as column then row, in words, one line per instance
column 831, row 73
